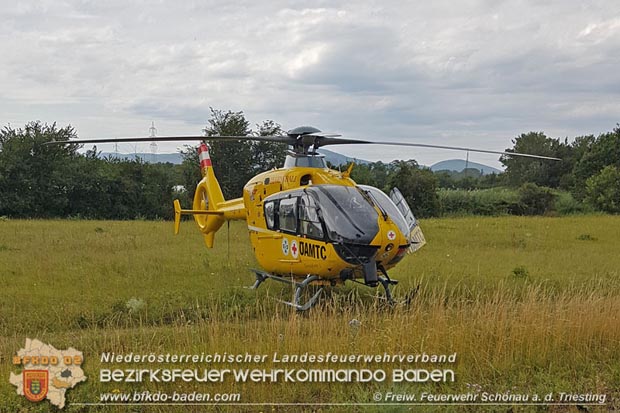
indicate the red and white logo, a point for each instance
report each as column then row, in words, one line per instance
column 294, row 249
column 391, row 235
column 36, row 384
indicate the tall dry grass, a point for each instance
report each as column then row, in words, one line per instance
column 528, row 305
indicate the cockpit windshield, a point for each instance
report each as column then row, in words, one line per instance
column 347, row 213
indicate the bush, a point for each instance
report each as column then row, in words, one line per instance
column 520, row 272
column 495, row 201
column 528, row 200
column 586, row 237
column 566, row 204
column 535, row 200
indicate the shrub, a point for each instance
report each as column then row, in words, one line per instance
column 520, row 272
column 535, row 200
column 495, row 201
column 566, row 204
column 586, row 237
column 530, row 199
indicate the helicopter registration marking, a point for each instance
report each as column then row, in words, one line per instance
column 285, row 246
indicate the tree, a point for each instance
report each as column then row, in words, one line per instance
column 190, row 173
column 418, row 186
column 267, row 155
column 596, row 154
column 232, row 162
column 373, row 174
column 603, row 190
column 520, row 170
column 32, row 174
column 362, row 174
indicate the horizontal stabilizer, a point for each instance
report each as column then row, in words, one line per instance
column 178, row 212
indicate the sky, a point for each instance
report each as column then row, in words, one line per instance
column 473, row 73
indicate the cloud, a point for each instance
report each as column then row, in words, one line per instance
column 473, row 72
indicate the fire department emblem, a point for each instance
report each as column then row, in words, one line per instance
column 35, row 384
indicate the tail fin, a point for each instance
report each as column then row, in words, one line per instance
column 207, row 199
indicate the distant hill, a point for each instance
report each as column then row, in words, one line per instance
column 176, row 158
column 458, row 165
column 337, row 159
column 332, row 157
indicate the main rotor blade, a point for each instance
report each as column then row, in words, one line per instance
column 336, row 141
column 299, row 140
column 281, row 139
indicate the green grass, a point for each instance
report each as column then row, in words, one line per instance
column 528, row 304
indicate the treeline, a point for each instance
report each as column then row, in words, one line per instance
column 57, row 181
column 52, row 181
column 587, row 179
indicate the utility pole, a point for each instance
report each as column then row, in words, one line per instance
column 153, row 133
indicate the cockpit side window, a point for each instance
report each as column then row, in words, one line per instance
column 287, row 214
column 270, row 214
column 310, row 224
column 385, row 203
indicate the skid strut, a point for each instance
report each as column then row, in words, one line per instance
column 386, row 281
column 262, row 276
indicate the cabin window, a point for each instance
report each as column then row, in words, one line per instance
column 270, row 215
column 287, row 214
column 309, row 222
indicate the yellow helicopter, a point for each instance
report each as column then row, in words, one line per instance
column 309, row 225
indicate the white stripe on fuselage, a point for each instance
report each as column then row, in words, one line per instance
column 258, row 229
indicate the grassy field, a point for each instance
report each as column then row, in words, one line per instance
column 530, row 305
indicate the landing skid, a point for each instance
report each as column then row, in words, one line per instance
column 262, row 276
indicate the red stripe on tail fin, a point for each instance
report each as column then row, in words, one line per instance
column 203, row 155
